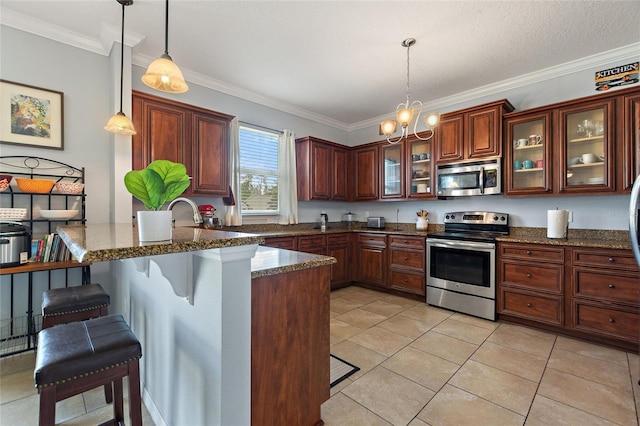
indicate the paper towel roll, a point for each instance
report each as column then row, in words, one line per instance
column 557, row 223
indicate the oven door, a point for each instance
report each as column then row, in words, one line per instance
column 466, row 267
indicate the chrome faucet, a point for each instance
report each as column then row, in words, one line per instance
column 197, row 219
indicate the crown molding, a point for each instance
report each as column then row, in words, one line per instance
column 624, row 53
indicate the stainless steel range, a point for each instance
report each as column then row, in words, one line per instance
column 461, row 261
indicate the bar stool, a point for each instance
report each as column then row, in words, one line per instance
column 76, row 357
column 70, row 304
column 64, row 305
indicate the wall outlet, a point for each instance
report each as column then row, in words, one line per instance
column 570, row 219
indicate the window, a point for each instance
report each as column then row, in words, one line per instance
column 259, row 173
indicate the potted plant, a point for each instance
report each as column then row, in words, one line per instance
column 160, row 182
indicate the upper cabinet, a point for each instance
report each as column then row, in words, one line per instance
column 420, row 169
column 364, row 163
column 392, row 174
column 321, row 170
column 631, row 129
column 196, row 137
column 472, row 133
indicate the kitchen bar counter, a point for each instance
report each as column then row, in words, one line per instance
column 272, row 261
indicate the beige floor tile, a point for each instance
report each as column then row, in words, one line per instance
column 511, row 360
column 478, row 322
column 545, row 412
column 17, row 385
column 340, row 331
column 592, row 350
column 601, row 401
column 363, row 358
column 529, row 331
column 342, row 305
column 363, row 296
column 428, row 370
column 519, row 338
column 603, row 372
column 406, row 326
column 445, row 347
column 401, row 301
column 634, row 369
column 16, row 363
column 389, row 395
column 339, row 386
column 361, row 318
column 502, row 388
column 427, row 314
column 22, row 412
column 418, row 422
column 463, row 331
column 333, row 314
column 380, row 340
column 384, row 308
column 343, row 411
column 455, row 407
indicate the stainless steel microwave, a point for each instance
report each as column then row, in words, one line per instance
column 478, row 177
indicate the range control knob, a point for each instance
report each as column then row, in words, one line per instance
column 502, row 218
column 453, row 216
column 495, row 218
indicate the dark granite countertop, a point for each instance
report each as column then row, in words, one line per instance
column 272, row 261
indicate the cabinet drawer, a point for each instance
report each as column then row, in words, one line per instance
column 373, row 239
column 547, row 309
column 412, row 283
column 618, row 259
column 610, row 285
column 531, row 252
column 610, row 320
column 312, row 243
column 544, row 277
column 336, row 240
column 288, row 243
column 407, row 242
column 409, row 259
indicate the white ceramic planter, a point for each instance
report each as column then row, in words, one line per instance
column 422, row 224
column 154, row 225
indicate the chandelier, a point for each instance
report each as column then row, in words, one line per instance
column 405, row 112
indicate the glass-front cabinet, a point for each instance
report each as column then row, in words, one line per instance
column 586, row 138
column 392, row 172
column 420, row 169
column 528, row 162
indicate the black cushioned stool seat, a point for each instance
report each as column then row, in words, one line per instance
column 79, row 356
column 63, row 305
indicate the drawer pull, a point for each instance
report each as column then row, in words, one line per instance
column 406, row 258
column 529, row 252
column 611, row 320
column 406, row 242
column 528, row 275
column 612, row 286
column 529, row 305
column 612, row 260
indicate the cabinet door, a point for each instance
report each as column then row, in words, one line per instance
column 162, row 135
column 528, row 161
column 449, row 137
column 209, row 155
column 366, row 169
column 372, row 264
column 320, row 176
column 419, row 169
column 483, row 133
column 315, row 244
column 586, row 137
column 339, row 184
column 631, row 140
column 338, row 246
column 392, row 171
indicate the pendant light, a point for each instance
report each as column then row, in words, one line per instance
column 163, row 74
column 405, row 112
column 120, row 123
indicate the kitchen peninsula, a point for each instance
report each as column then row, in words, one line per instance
column 232, row 333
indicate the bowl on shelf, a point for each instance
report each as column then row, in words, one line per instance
column 14, row 213
column 4, row 181
column 69, row 187
column 58, row 214
column 36, row 186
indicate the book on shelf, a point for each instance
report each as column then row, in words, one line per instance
column 50, row 248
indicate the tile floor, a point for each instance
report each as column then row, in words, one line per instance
column 421, row 365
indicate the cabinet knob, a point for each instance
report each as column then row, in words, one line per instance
column 548, row 190
column 529, row 305
column 612, row 286
column 406, row 242
column 528, row 275
column 406, row 280
column 612, row 260
column 529, row 252
column 406, row 258
column 611, row 320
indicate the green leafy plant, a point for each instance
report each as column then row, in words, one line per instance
column 160, row 182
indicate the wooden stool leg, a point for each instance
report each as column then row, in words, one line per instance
column 135, row 403
column 108, row 395
column 47, row 406
column 118, row 410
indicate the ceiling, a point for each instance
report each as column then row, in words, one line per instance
column 342, row 62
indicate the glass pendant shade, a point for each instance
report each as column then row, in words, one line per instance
column 120, row 124
column 388, row 127
column 164, row 75
column 431, row 120
column 404, row 116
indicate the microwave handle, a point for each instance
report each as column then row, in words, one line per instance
column 482, row 180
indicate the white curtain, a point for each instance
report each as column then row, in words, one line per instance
column 288, row 187
column 233, row 216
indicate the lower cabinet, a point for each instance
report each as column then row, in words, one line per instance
column 287, row 243
column 371, row 250
column 591, row 293
column 407, row 260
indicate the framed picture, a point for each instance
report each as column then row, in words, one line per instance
column 31, row 116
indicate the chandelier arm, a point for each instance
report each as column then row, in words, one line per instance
column 408, row 47
column 393, row 142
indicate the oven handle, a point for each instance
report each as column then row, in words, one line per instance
column 461, row 244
